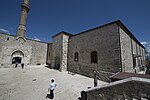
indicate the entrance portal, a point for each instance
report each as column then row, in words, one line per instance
column 17, row 57
column 16, row 60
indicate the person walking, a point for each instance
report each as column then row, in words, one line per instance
column 95, row 79
column 16, row 65
column 52, row 88
column 22, row 65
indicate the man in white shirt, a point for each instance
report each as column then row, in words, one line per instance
column 51, row 88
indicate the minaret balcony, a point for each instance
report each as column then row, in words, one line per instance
column 26, row 6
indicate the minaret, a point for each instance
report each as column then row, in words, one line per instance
column 22, row 25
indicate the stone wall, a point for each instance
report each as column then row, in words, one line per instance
column 127, row 89
column 131, row 50
column 126, row 51
column 60, row 51
column 39, row 52
column 105, row 41
column 57, row 52
column 65, row 52
column 49, row 54
column 3, row 41
column 33, row 52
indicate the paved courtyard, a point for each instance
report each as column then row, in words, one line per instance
column 32, row 83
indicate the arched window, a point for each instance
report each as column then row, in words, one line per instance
column 94, row 57
column 76, row 56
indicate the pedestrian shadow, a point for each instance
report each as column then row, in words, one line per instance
column 48, row 96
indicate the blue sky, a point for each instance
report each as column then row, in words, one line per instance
column 49, row 17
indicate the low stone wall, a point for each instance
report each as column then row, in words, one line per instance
column 131, row 88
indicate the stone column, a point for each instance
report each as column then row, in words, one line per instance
column 22, row 26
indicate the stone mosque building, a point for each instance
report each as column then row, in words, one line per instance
column 107, row 49
column 19, row 49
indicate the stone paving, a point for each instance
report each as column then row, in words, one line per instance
column 32, row 83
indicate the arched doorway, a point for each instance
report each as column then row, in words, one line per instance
column 17, row 57
column 16, row 60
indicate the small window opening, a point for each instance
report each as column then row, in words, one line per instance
column 8, row 38
column 94, row 57
column 76, row 57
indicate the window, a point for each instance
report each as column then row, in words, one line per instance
column 8, row 38
column 76, row 57
column 134, row 62
column 141, row 61
column 94, row 57
column 49, row 54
